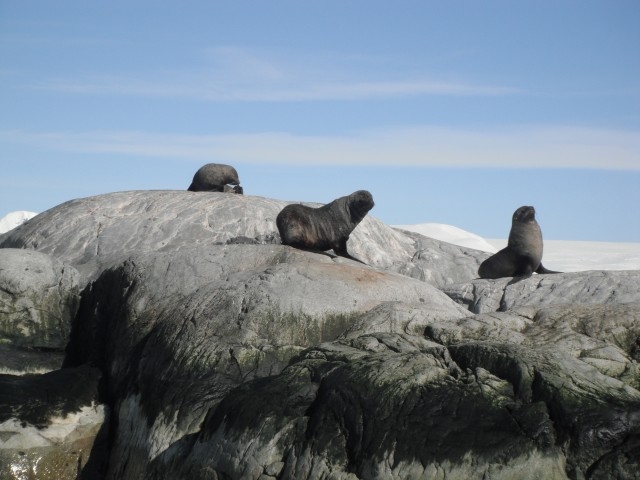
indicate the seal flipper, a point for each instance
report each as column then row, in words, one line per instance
column 346, row 255
column 542, row 269
column 341, row 250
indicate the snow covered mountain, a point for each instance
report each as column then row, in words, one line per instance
column 451, row 234
column 13, row 219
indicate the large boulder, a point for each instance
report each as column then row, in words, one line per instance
column 39, row 297
column 175, row 331
column 226, row 355
column 390, row 406
column 97, row 232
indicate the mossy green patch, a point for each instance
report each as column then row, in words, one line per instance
column 304, row 329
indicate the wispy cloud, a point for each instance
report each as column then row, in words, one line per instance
column 231, row 74
column 530, row 147
column 213, row 91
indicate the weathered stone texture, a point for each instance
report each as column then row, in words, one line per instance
column 207, row 350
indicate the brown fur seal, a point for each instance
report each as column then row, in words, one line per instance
column 523, row 253
column 324, row 228
column 215, row 177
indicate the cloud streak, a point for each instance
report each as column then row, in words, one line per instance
column 233, row 74
column 428, row 146
column 200, row 87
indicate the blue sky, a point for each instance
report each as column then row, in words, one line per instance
column 448, row 112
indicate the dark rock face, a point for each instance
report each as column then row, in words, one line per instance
column 319, row 419
column 221, row 354
column 199, row 328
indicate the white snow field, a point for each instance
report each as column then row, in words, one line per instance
column 13, row 219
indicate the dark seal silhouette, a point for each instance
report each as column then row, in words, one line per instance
column 216, row 177
column 324, row 228
column 523, row 253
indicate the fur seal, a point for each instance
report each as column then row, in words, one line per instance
column 523, row 253
column 215, row 177
column 324, row 228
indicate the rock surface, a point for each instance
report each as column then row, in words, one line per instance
column 39, row 297
column 52, row 426
column 97, row 232
column 226, row 355
column 202, row 321
column 596, row 287
column 320, row 420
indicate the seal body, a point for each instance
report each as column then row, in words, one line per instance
column 215, row 177
column 523, row 253
column 324, row 228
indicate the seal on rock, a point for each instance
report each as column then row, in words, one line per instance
column 216, row 177
column 324, row 228
column 523, row 253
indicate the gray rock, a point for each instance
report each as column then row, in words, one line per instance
column 227, row 355
column 177, row 330
column 596, row 417
column 388, row 406
column 441, row 263
column 506, row 327
column 39, row 297
column 98, row 232
column 604, row 336
column 404, row 317
column 592, row 287
column 52, row 425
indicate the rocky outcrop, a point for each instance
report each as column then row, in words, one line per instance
column 223, row 354
column 436, row 413
column 440, row 263
column 319, row 419
column 605, row 336
column 202, row 321
column 52, row 425
column 39, row 297
column 95, row 233
column 504, row 294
